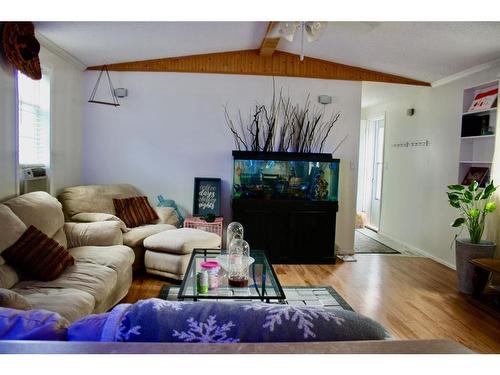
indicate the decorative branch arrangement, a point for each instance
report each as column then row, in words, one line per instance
column 283, row 127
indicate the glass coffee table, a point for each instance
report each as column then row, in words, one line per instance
column 263, row 283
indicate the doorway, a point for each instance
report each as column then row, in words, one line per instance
column 371, row 162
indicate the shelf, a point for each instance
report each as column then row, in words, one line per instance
column 479, row 111
column 474, row 162
column 479, row 137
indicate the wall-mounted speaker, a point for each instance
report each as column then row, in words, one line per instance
column 324, row 99
column 121, row 93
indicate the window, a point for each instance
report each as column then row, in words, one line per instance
column 34, row 120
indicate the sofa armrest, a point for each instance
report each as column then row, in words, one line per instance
column 167, row 215
column 103, row 233
column 94, row 217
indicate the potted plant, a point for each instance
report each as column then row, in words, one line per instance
column 473, row 203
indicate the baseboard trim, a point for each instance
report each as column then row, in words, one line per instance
column 418, row 251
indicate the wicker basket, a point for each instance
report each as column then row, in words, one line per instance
column 198, row 223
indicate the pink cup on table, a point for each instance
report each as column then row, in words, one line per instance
column 212, row 267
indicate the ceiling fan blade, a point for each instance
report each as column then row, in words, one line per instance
column 314, row 30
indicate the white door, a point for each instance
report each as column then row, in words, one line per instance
column 376, row 158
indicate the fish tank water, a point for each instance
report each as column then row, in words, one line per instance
column 285, row 175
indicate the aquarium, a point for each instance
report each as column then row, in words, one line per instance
column 285, row 175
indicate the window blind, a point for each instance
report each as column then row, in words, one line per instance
column 34, row 120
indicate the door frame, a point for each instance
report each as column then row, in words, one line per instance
column 373, row 119
column 370, row 120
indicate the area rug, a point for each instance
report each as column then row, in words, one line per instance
column 366, row 245
column 322, row 296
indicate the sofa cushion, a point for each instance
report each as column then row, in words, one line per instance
column 117, row 257
column 40, row 210
column 135, row 236
column 72, row 304
column 32, row 325
column 167, row 215
column 94, row 198
column 92, row 217
column 9, row 298
column 61, row 238
column 11, row 227
column 38, row 255
column 91, row 278
column 105, row 233
column 135, row 211
column 165, row 264
column 182, row 241
column 8, row 276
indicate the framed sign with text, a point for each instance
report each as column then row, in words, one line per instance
column 207, row 196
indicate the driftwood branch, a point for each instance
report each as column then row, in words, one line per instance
column 283, row 127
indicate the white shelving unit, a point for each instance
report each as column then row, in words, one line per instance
column 476, row 147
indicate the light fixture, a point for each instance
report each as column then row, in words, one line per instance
column 312, row 30
column 111, row 89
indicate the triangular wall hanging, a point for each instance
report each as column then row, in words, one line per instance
column 111, row 88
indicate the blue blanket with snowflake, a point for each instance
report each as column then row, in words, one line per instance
column 157, row 320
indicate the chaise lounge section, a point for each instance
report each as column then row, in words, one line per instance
column 94, row 203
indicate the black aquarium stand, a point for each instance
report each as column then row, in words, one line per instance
column 290, row 231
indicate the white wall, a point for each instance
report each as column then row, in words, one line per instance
column 171, row 128
column 67, row 101
column 7, row 131
column 415, row 209
column 66, row 124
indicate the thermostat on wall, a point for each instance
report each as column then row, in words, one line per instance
column 121, row 93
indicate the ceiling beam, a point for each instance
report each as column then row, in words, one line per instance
column 250, row 62
column 269, row 45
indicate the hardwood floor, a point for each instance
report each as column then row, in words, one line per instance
column 414, row 298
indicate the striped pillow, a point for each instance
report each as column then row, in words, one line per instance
column 135, row 211
column 38, row 255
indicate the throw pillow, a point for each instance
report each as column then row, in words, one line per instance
column 13, row 300
column 135, row 211
column 38, row 255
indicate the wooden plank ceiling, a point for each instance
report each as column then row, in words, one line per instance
column 265, row 61
column 250, row 62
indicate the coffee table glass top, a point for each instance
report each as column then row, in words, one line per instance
column 263, row 283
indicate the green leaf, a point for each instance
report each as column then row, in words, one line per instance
column 468, row 196
column 455, row 204
column 458, row 222
column 473, row 186
column 456, row 187
column 490, row 207
column 489, row 190
column 474, row 213
column 453, row 196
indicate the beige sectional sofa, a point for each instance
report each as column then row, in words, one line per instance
column 95, row 203
column 101, row 275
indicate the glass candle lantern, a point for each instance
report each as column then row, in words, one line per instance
column 238, row 261
column 234, row 231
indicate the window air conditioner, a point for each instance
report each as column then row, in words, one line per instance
column 34, row 179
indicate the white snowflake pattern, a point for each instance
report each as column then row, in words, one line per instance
column 124, row 334
column 159, row 304
column 206, row 332
column 302, row 315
